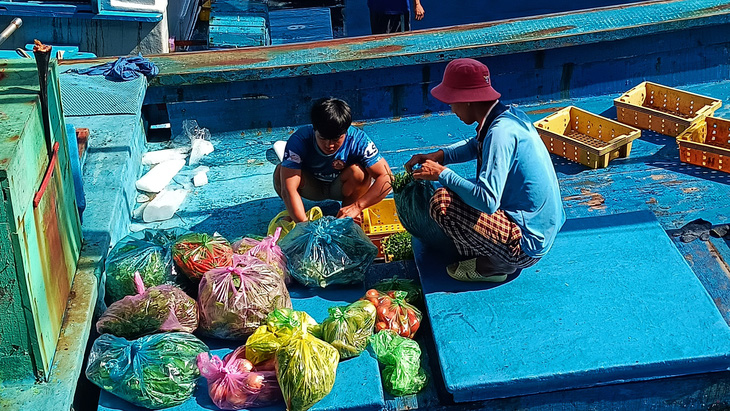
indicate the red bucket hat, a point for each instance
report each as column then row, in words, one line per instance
column 465, row 81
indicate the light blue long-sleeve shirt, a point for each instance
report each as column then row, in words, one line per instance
column 516, row 176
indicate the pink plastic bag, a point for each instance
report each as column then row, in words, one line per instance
column 235, row 300
column 233, row 384
column 162, row 308
column 265, row 250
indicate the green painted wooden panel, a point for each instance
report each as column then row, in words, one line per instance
column 15, row 359
column 45, row 241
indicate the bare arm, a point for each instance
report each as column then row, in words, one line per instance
column 290, row 181
column 380, row 188
column 418, row 10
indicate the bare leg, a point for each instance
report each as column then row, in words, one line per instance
column 355, row 183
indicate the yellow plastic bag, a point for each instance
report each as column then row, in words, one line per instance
column 276, row 332
column 315, row 213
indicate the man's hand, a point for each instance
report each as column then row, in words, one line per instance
column 351, row 210
column 436, row 156
column 429, row 170
column 419, row 11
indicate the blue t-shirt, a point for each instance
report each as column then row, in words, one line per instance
column 390, row 6
column 517, row 176
column 302, row 153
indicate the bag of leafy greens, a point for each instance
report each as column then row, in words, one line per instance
column 146, row 252
column 401, row 357
column 197, row 253
column 305, row 368
column 265, row 250
column 328, row 251
column 348, row 328
column 276, row 332
column 412, row 201
column 161, row 308
column 235, row 300
column 156, row 371
column 234, row 384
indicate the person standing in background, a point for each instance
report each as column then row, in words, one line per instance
column 392, row 16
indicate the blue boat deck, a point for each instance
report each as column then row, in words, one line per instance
column 240, row 199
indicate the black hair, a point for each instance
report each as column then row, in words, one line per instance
column 331, row 117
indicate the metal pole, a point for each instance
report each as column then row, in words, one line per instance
column 14, row 25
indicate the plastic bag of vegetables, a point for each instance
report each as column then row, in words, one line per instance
column 276, row 332
column 156, row 371
column 265, row 250
column 402, row 374
column 394, row 312
column 197, row 253
column 234, row 301
column 348, row 328
column 412, row 201
column 305, row 368
column 234, row 384
column 328, row 251
column 160, row 308
column 146, row 252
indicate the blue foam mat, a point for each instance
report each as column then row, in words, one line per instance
column 358, row 386
column 613, row 301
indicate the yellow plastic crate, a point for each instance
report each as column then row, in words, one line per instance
column 380, row 221
column 586, row 138
column 706, row 144
column 666, row 110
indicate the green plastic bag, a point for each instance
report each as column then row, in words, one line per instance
column 156, row 371
column 401, row 357
column 276, row 332
column 414, row 291
column 348, row 328
column 305, row 368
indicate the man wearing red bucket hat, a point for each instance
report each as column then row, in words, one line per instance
column 506, row 219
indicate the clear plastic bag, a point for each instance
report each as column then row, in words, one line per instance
column 162, row 308
column 328, row 251
column 235, row 300
column 401, row 357
column 280, row 326
column 265, row 250
column 394, row 312
column 412, row 202
column 348, row 328
column 197, row 253
column 305, row 368
column 146, row 252
column 156, row 371
column 234, row 384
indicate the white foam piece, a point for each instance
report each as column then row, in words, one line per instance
column 159, row 176
column 201, row 178
column 158, row 156
column 164, row 206
column 200, row 149
column 279, row 148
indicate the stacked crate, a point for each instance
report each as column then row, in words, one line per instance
column 238, row 23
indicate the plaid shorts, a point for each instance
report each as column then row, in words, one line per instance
column 477, row 234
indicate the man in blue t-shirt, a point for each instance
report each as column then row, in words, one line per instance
column 391, row 16
column 506, row 219
column 331, row 160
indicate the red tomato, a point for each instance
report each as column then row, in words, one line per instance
column 382, row 311
column 415, row 327
column 412, row 314
column 373, row 301
column 391, row 294
column 386, row 301
column 405, row 332
column 372, row 293
column 380, row 326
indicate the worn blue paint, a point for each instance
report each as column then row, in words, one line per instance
column 238, row 24
column 300, row 25
column 577, row 318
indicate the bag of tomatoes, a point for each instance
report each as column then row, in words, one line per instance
column 394, row 312
column 196, row 254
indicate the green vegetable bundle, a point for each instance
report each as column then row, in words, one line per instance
column 398, row 247
column 146, row 252
column 234, row 301
column 305, row 368
column 328, row 251
column 412, row 201
column 414, row 293
column 280, row 326
column 401, row 357
column 162, row 308
column 156, row 371
column 348, row 328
